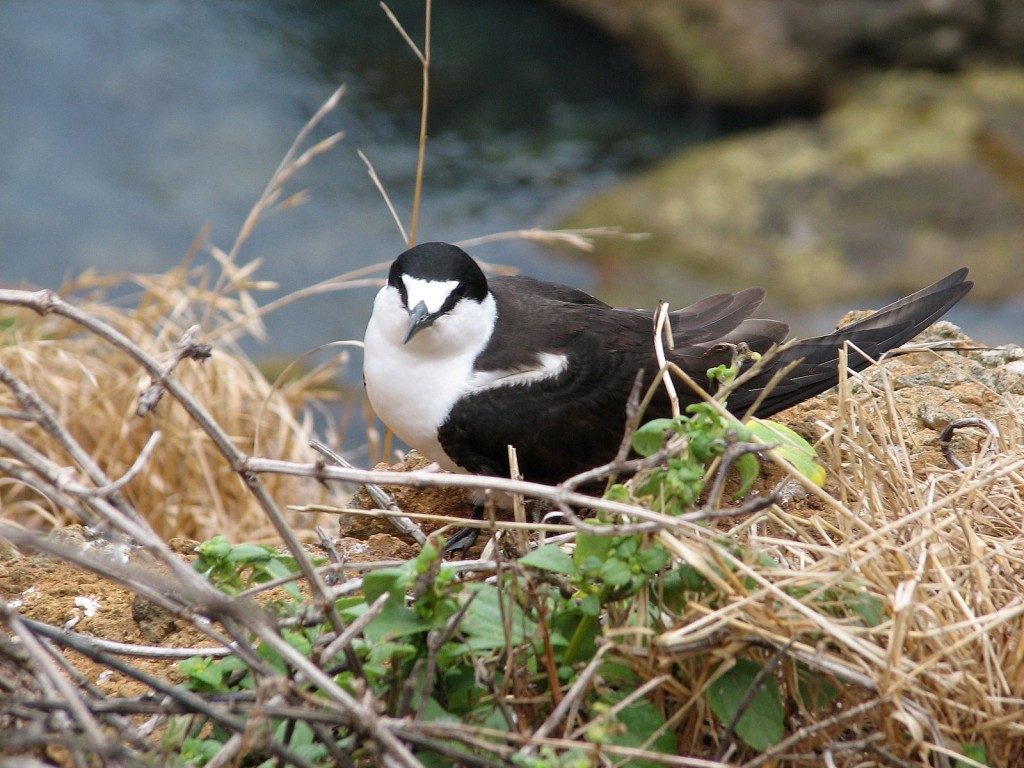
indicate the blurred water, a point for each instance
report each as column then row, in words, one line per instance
column 124, row 127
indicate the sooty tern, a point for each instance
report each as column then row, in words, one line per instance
column 460, row 367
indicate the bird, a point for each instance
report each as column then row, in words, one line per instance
column 460, row 366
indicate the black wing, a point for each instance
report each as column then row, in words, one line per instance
column 571, row 422
column 818, row 366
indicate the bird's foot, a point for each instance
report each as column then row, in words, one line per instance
column 465, row 538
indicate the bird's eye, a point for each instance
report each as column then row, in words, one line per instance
column 460, row 291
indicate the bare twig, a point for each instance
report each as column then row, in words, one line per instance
column 354, row 629
column 49, row 676
column 188, row 348
column 116, row 485
column 946, row 438
column 194, row 702
column 44, row 415
column 847, row 716
column 403, row 524
column 144, row 651
column 285, row 169
column 571, row 699
column 45, row 302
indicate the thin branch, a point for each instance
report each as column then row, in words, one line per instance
column 144, row 651
column 194, row 702
column 116, row 485
column 759, row 681
column 403, row 524
column 46, row 417
column 98, row 741
column 401, row 30
column 946, row 438
column 422, row 151
column 188, row 348
column 571, row 698
column 281, row 172
column 354, row 629
column 46, row 302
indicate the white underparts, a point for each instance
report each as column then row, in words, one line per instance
column 414, row 386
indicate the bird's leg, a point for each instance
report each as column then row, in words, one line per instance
column 465, row 538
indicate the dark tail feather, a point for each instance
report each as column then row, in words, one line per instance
column 818, row 366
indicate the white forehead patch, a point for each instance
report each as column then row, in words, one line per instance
column 433, row 293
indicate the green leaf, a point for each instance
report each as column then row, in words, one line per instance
column 653, row 559
column 616, row 573
column 976, row 752
column 618, row 492
column 395, row 620
column 426, row 559
column 249, row 553
column 216, row 548
column 643, row 720
column 762, row 724
column 376, row 583
column 591, row 547
column 626, row 546
column 651, row 436
column 550, row 557
column 870, row 609
column 816, row 690
column 277, row 568
column 749, row 468
column 723, row 372
column 200, row 751
column 203, row 673
column 619, row 674
column 590, row 605
column 791, row 447
column 483, row 622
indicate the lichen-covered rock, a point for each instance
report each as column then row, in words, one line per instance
column 773, row 52
column 910, row 177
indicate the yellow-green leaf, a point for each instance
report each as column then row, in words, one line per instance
column 791, row 447
column 749, row 468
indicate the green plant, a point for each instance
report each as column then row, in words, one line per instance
column 705, row 434
column 236, row 568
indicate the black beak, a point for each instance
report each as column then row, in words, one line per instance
column 419, row 318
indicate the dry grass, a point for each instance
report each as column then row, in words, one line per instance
column 186, row 489
column 941, row 551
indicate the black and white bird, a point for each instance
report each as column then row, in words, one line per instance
column 460, row 366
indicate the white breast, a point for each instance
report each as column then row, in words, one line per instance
column 412, row 387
